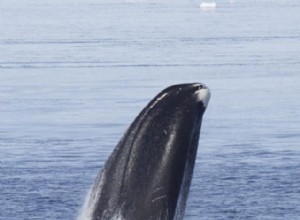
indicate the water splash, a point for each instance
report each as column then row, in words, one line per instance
column 86, row 212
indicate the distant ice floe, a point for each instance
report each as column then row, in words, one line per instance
column 208, row 5
column 143, row 1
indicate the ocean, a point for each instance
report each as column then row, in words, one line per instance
column 74, row 74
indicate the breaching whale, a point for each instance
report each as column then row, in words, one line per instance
column 148, row 175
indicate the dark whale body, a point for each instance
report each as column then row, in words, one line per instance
column 149, row 173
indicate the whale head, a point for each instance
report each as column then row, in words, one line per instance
column 149, row 173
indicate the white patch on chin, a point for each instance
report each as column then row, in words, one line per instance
column 203, row 95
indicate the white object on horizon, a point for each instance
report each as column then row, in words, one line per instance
column 208, row 5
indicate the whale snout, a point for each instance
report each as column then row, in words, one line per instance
column 202, row 93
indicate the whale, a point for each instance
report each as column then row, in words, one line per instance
column 149, row 173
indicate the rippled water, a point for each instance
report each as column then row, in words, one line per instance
column 74, row 74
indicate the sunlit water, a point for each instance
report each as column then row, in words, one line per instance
column 74, row 74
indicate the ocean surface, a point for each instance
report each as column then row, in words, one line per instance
column 74, row 75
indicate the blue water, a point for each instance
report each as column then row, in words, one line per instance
column 74, row 74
